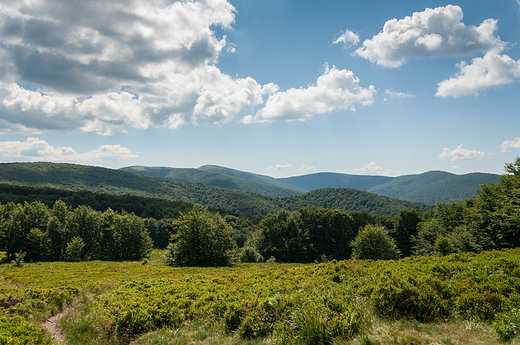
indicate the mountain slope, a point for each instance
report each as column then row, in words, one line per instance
column 211, row 179
column 428, row 187
column 433, row 186
column 335, row 180
column 101, row 180
column 267, row 180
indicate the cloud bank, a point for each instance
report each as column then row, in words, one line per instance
column 99, row 66
column 35, row 149
column 460, row 154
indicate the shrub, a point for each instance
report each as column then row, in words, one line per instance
column 18, row 259
column 202, row 239
column 374, row 242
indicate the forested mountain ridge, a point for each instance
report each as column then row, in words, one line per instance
column 267, row 180
column 428, row 187
column 335, row 180
column 75, row 177
column 433, row 186
column 216, row 179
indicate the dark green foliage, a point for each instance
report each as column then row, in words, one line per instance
column 374, row 243
column 202, row 239
column 406, row 228
column 61, row 233
column 310, row 234
column 282, row 238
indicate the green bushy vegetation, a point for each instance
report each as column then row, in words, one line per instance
column 59, row 233
column 201, row 239
column 334, row 302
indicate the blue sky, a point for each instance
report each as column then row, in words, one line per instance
column 275, row 87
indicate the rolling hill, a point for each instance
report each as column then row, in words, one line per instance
column 214, row 178
column 75, row 177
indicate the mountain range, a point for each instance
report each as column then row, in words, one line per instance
column 73, row 177
column 428, row 187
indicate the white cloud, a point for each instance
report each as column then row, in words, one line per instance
column 334, row 90
column 306, row 169
column 394, row 94
column 432, row 33
column 39, row 150
column 510, row 144
column 484, row 72
column 102, row 66
column 282, row 166
column 348, row 38
column 460, row 154
column 370, row 169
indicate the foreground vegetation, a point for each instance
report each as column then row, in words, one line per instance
column 424, row 300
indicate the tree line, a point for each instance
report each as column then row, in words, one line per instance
column 62, row 233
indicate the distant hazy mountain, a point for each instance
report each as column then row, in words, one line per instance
column 221, row 177
column 75, row 177
column 335, row 180
column 428, row 187
column 433, row 186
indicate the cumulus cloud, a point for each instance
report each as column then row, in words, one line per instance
column 101, row 66
column 510, row 144
column 282, row 166
column 348, row 38
column 306, row 169
column 491, row 70
column 432, row 33
column 334, row 90
column 460, row 154
column 39, row 150
column 370, row 169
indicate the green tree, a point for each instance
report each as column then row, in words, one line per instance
column 374, row 242
column 281, row 237
column 202, row 239
column 495, row 216
column 406, row 228
column 75, row 248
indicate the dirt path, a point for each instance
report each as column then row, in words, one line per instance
column 51, row 325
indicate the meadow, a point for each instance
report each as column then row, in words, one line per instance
column 462, row 298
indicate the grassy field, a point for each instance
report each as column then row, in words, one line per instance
column 458, row 299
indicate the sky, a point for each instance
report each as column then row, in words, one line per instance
column 275, row 87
